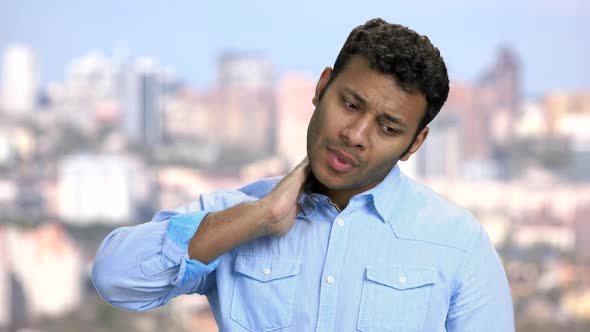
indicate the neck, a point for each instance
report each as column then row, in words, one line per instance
column 340, row 198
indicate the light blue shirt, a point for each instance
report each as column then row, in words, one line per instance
column 397, row 258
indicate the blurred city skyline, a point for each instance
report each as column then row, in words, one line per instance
column 305, row 36
column 112, row 111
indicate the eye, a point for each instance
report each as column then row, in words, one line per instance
column 389, row 130
column 350, row 106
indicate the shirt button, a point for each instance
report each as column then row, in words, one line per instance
column 330, row 279
column 315, row 199
column 402, row 279
column 340, row 222
column 266, row 271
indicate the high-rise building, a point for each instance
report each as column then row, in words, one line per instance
column 244, row 101
column 498, row 99
column 20, row 79
column 294, row 94
column 143, row 98
column 90, row 78
column 496, row 106
column 88, row 95
column 506, row 79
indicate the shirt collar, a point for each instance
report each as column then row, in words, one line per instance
column 385, row 194
column 308, row 202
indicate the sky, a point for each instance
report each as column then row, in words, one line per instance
column 550, row 36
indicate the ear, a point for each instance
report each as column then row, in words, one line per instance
column 417, row 143
column 324, row 79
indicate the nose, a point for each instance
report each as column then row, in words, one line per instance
column 355, row 134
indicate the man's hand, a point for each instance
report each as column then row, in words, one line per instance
column 281, row 202
column 272, row 215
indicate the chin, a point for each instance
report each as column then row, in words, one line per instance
column 328, row 180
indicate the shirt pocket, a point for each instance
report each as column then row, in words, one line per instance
column 395, row 298
column 264, row 290
column 155, row 265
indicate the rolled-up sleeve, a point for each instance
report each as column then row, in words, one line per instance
column 481, row 299
column 145, row 266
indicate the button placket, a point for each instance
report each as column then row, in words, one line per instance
column 338, row 240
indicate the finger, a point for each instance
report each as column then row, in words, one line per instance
column 303, row 164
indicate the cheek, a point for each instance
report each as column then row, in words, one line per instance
column 313, row 131
column 382, row 162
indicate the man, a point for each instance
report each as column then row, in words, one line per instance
column 343, row 242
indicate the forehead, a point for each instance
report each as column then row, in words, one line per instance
column 380, row 91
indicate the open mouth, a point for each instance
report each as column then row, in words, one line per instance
column 340, row 162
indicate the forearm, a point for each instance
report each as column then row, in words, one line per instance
column 273, row 214
column 222, row 231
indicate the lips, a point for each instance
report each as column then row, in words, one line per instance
column 340, row 161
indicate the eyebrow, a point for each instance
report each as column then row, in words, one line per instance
column 393, row 119
column 355, row 95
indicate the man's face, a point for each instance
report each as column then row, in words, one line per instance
column 360, row 128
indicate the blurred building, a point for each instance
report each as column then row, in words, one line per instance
column 88, row 94
column 542, row 227
column 192, row 313
column 532, row 122
column 101, row 188
column 569, row 117
column 444, row 151
column 514, row 198
column 497, row 225
column 20, row 79
column 263, row 168
column 178, row 185
column 188, row 117
column 5, row 287
column 17, row 143
column 560, row 104
column 489, row 125
column 582, row 231
column 294, row 94
column 575, row 128
column 89, row 79
column 576, row 304
column 48, row 266
column 143, row 95
column 441, row 154
column 244, row 104
column 181, row 185
column 8, row 195
column 501, row 88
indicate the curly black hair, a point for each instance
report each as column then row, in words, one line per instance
column 398, row 51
